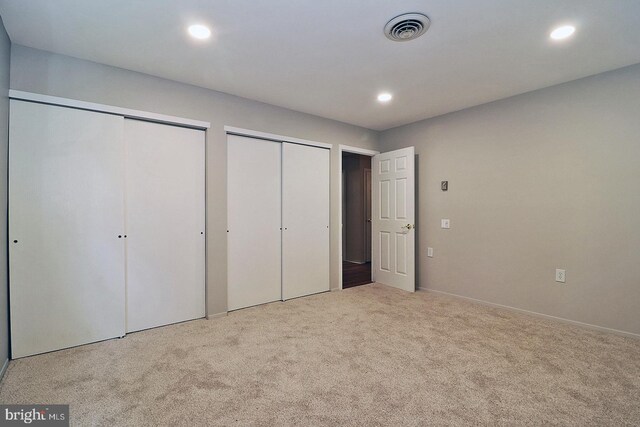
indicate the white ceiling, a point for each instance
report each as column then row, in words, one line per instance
column 330, row 57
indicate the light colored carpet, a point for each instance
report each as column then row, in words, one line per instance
column 366, row 356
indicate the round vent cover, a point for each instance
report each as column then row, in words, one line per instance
column 407, row 27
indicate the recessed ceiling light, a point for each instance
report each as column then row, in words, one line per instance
column 199, row 32
column 562, row 32
column 385, row 97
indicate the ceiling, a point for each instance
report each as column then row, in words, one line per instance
column 330, row 58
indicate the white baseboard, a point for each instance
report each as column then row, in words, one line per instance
column 217, row 315
column 4, row 369
column 536, row 314
column 355, row 262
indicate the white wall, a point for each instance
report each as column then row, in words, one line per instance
column 5, row 52
column 549, row 179
column 42, row 72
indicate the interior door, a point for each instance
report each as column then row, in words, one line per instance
column 305, row 218
column 394, row 218
column 66, row 221
column 254, row 221
column 165, row 205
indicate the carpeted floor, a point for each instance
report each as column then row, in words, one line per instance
column 368, row 356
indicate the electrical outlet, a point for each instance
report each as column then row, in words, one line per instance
column 561, row 276
column 445, row 223
column 430, row 252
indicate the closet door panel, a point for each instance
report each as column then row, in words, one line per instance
column 66, row 210
column 254, row 242
column 165, row 220
column 305, row 201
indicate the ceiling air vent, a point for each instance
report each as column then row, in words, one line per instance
column 407, row 27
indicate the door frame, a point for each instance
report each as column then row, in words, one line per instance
column 368, row 230
column 355, row 150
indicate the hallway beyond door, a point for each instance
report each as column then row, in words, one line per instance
column 354, row 274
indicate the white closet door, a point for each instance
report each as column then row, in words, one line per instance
column 66, row 185
column 165, row 206
column 254, row 241
column 305, row 214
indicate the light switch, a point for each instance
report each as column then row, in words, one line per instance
column 561, row 276
column 430, row 252
column 445, row 223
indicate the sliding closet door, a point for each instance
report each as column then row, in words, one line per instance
column 66, row 219
column 305, row 214
column 254, row 208
column 165, row 205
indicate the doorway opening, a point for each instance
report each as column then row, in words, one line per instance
column 356, row 219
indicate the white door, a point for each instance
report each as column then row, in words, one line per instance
column 66, row 222
column 305, row 218
column 254, row 220
column 165, row 220
column 394, row 218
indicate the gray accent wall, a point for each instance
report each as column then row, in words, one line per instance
column 57, row 75
column 5, row 54
column 544, row 180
